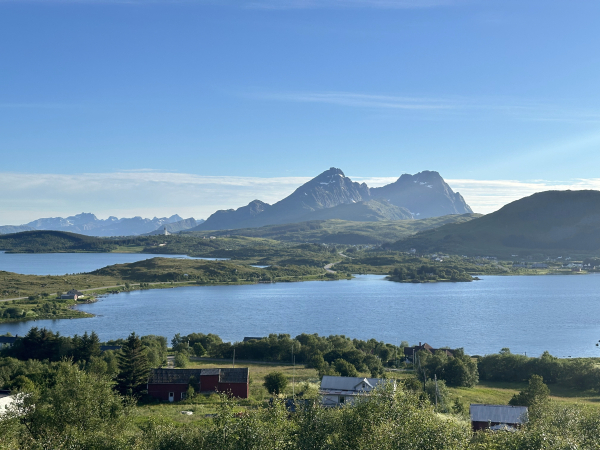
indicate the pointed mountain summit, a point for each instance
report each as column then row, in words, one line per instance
column 425, row 194
column 332, row 195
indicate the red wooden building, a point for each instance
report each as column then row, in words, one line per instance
column 172, row 384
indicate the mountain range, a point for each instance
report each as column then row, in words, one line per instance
column 549, row 223
column 88, row 224
column 332, row 195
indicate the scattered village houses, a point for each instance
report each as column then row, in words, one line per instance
column 336, row 391
column 172, row 384
column 497, row 417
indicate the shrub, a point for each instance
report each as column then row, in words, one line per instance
column 181, row 360
column 275, row 382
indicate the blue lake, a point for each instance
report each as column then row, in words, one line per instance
column 63, row 263
column 560, row 314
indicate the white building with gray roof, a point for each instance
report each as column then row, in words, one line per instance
column 337, row 391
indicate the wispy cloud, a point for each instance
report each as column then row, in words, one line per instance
column 147, row 193
column 323, row 4
column 36, row 105
column 359, row 100
column 520, row 109
column 273, row 4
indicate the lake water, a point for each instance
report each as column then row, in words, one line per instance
column 560, row 314
column 63, row 263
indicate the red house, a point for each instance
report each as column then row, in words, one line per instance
column 172, row 384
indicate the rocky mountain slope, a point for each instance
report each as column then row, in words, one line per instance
column 332, row 195
column 425, row 194
column 550, row 223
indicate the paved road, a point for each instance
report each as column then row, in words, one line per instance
column 329, row 266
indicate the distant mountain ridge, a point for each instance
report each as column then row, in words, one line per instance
column 89, row 225
column 332, row 195
column 550, row 223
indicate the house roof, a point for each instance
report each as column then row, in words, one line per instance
column 182, row 376
column 352, row 384
column 408, row 351
column 498, row 413
column 234, row 375
column 7, row 339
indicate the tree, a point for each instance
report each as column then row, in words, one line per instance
column 181, row 360
column 535, row 394
column 344, row 368
column 199, row 350
column 133, row 367
column 72, row 411
column 275, row 382
column 438, row 393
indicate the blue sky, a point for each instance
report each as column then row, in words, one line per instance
column 160, row 107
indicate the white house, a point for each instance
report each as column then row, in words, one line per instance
column 73, row 294
column 339, row 390
column 5, row 401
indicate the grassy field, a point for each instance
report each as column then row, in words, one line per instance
column 202, row 405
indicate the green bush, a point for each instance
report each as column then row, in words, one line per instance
column 181, row 360
column 275, row 382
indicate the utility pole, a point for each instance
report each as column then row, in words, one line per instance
column 436, row 391
column 234, row 357
column 293, row 373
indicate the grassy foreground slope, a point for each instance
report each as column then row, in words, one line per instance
column 550, row 223
column 346, row 232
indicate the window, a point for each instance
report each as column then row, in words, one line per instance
column 342, row 399
column 183, row 395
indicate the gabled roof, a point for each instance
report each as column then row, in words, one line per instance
column 182, row 376
column 349, row 383
column 7, row 339
column 498, row 413
column 74, row 292
column 234, row 375
column 173, row 376
column 408, row 351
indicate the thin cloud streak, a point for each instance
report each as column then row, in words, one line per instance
column 330, row 4
column 273, row 4
column 125, row 194
column 515, row 108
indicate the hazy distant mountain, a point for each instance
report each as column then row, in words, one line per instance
column 8, row 229
column 552, row 223
column 332, row 195
column 89, row 225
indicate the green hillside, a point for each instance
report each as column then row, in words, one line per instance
column 549, row 223
column 346, row 232
column 53, row 241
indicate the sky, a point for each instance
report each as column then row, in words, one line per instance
column 157, row 107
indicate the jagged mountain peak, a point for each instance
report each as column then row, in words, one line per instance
column 422, row 195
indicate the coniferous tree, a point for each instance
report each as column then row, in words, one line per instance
column 133, row 367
